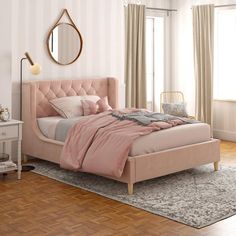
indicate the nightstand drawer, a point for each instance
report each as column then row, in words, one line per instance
column 8, row 132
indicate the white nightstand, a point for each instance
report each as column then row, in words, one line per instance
column 12, row 131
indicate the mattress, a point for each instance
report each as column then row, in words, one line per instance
column 156, row 141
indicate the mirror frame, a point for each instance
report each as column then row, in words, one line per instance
column 72, row 25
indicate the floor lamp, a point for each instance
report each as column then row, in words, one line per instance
column 35, row 69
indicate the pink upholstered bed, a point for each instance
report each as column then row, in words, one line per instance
column 36, row 96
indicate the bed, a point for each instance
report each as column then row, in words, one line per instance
column 189, row 146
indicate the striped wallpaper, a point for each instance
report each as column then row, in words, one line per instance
column 100, row 23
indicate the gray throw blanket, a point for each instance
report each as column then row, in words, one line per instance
column 63, row 127
column 146, row 118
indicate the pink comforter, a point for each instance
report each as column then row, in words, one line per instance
column 101, row 143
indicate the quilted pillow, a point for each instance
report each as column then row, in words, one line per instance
column 68, row 107
column 90, row 108
column 175, row 109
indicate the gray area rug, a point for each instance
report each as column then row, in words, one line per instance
column 196, row 197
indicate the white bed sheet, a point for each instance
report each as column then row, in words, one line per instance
column 47, row 125
column 157, row 141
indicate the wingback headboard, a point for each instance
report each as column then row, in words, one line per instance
column 36, row 94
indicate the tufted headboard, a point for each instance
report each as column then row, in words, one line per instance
column 36, row 94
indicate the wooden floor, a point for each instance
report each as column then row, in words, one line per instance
column 37, row 205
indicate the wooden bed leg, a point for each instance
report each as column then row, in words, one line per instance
column 130, row 189
column 216, row 165
column 25, row 158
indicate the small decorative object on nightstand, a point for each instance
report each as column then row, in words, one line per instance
column 4, row 114
column 11, row 131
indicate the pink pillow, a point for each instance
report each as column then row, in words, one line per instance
column 103, row 105
column 91, row 108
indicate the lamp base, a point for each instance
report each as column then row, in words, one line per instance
column 26, row 168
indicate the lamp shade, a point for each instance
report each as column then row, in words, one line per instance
column 35, row 69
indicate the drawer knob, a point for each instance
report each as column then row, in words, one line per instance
column 3, row 134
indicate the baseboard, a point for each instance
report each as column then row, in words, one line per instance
column 224, row 135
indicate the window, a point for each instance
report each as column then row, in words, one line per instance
column 225, row 55
column 155, row 59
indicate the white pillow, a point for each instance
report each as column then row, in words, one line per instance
column 69, row 107
column 92, row 98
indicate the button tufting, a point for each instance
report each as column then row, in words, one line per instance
column 47, row 90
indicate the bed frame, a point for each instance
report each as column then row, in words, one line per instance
column 36, row 95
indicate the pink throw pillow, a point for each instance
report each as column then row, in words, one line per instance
column 103, row 105
column 91, row 108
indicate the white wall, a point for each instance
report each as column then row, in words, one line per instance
column 157, row 3
column 5, row 54
column 182, row 67
column 5, row 57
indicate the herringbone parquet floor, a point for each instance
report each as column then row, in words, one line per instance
column 37, row 206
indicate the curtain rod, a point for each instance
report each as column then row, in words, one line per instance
column 161, row 9
column 227, row 5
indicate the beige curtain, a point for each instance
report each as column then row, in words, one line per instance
column 135, row 66
column 203, row 39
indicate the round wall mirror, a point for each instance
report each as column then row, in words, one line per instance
column 64, row 43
